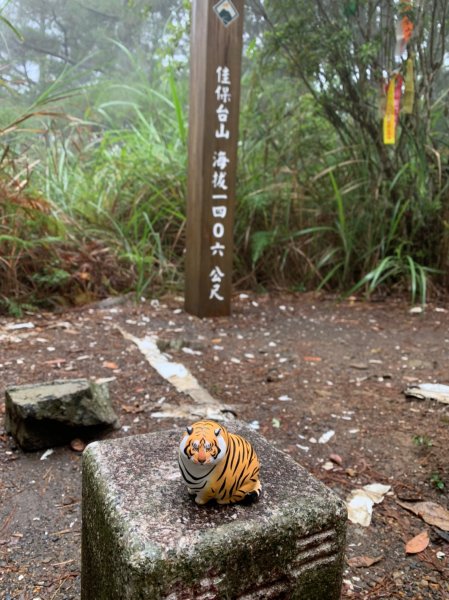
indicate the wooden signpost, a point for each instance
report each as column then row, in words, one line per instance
column 216, row 49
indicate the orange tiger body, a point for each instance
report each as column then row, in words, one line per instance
column 218, row 465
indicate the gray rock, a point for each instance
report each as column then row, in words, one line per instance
column 144, row 538
column 50, row 414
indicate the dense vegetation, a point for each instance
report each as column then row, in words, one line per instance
column 93, row 162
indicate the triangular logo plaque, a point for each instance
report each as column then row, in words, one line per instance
column 226, row 12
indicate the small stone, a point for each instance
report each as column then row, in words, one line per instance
column 359, row 365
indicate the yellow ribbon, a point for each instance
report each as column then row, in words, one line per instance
column 409, row 93
column 389, row 123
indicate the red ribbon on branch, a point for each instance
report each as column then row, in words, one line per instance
column 404, row 28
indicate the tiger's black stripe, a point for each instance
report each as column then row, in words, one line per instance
column 181, row 466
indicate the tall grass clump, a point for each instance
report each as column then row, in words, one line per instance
column 110, row 185
column 121, row 180
column 44, row 259
column 40, row 262
column 283, row 148
column 316, row 214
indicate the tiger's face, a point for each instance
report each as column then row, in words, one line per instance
column 203, row 444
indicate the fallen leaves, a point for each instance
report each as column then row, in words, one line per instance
column 63, row 532
column 336, row 458
column 55, row 362
column 429, row 391
column 110, row 365
column 442, row 534
column 47, row 453
column 363, row 561
column 418, row 543
column 376, row 491
column 77, row 445
column 408, row 493
column 18, row 326
column 284, row 398
column 430, row 512
column 132, row 409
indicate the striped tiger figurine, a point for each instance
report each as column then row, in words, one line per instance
column 218, row 465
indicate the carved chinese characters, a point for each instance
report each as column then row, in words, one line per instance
column 213, row 135
column 220, row 164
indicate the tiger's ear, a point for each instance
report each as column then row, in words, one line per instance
column 189, row 430
column 217, row 432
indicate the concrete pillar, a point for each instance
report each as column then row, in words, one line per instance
column 145, row 538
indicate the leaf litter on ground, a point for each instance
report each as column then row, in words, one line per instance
column 430, row 512
column 363, row 561
column 418, row 543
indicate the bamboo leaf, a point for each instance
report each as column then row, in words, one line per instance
column 413, row 278
column 177, row 105
column 260, row 241
column 11, row 26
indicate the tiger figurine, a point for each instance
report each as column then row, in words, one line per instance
column 218, row 465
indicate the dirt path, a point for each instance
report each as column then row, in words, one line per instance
column 295, row 367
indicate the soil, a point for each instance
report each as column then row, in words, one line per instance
column 295, row 367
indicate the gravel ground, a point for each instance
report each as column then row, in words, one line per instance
column 296, row 367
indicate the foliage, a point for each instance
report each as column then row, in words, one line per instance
column 93, row 175
column 341, row 58
column 47, row 266
column 118, row 193
column 437, row 482
column 56, row 34
column 9, row 25
column 278, row 183
column 422, row 441
column 112, row 183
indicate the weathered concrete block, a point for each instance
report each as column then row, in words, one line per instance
column 145, row 538
column 49, row 414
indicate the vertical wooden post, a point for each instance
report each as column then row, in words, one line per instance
column 216, row 49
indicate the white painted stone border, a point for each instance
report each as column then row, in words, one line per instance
column 203, row 405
